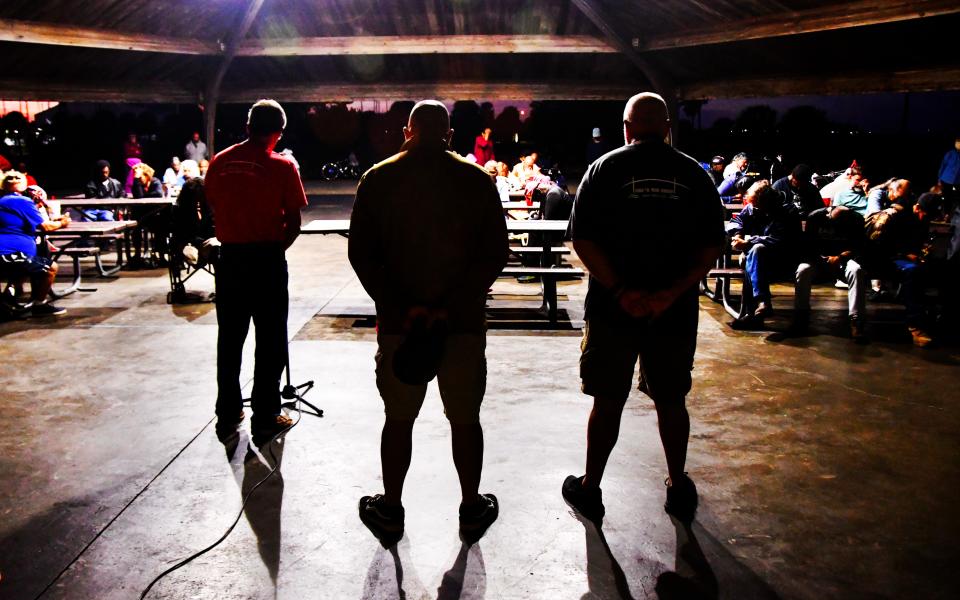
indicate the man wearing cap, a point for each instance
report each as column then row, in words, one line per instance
column 428, row 278
column 715, row 169
column 597, row 148
column 629, row 206
column 256, row 196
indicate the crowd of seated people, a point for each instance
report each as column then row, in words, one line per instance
column 876, row 242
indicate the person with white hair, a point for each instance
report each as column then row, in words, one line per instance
column 644, row 199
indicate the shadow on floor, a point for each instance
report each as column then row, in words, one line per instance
column 252, row 470
column 697, row 577
column 386, row 578
column 75, row 318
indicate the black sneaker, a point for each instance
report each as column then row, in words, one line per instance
column 477, row 517
column 586, row 501
column 383, row 520
column 46, row 310
column 264, row 433
column 681, row 498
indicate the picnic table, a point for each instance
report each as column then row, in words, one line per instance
column 68, row 244
column 81, row 205
column 521, row 205
column 548, row 271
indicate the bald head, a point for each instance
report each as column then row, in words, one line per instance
column 645, row 116
column 429, row 123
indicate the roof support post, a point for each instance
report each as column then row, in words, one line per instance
column 660, row 81
column 212, row 93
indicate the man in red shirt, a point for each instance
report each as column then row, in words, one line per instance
column 256, row 196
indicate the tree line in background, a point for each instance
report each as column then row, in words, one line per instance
column 62, row 144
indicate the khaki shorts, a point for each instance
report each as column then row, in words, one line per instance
column 462, row 379
column 665, row 348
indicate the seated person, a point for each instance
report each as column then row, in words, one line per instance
column 768, row 234
column 853, row 197
column 738, row 164
column 887, row 194
column 19, row 221
column 102, row 186
column 193, row 225
column 833, row 245
column 842, row 182
column 503, row 184
column 799, row 192
column 204, row 164
column 145, row 185
column 526, row 169
column 897, row 240
column 715, row 170
column 173, row 178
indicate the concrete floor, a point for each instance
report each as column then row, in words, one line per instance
column 825, row 468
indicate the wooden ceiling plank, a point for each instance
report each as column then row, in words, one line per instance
column 61, row 35
column 425, row 44
column 443, row 90
column 919, row 80
column 856, row 14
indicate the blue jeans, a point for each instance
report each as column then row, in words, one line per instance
column 99, row 214
column 759, row 266
column 909, row 274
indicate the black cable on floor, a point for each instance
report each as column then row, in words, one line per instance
column 122, row 510
column 226, row 534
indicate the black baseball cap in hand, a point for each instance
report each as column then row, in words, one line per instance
column 416, row 360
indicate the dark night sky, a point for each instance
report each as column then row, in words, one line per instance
column 937, row 112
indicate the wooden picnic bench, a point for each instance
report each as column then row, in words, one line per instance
column 68, row 239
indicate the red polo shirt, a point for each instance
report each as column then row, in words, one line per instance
column 250, row 190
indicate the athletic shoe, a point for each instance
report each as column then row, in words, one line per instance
column 681, row 498
column 383, row 520
column 264, row 433
column 46, row 310
column 586, row 501
column 477, row 517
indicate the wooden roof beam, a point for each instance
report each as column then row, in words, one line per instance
column 425, row 44
column 143, row 92
column 924, row 80
column 325, row 92
column 28, row 32
column 829, row 18
column 449, row 90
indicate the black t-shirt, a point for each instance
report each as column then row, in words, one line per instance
column 651, row 209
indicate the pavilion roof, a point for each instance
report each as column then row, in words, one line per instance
column 342, row 50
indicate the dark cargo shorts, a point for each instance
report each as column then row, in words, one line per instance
column 664, row 348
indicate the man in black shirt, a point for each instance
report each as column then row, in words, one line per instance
column 800, row 195
column 648, row 224
column 834, row 241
